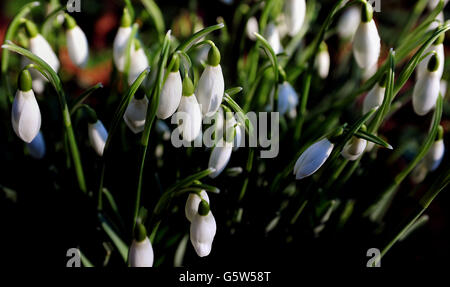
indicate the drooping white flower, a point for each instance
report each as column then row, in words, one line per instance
column 40, row 47
column 273, row 37
column 220, row 156
column 138, row 62
column 25, row 114
column 97, row 136
column 189, row 113
column 374, row 97
column 211, row 85
column 135, row 114
column 354, row 148
column 422, row 67
column 295, row 11
column 37, row 146
column 191, row 208
column 170, row 97
column 203, row 229
column 435, row 155
column 77, row 44
column 287, row 98
column 349, row 22
column 141, row 250
column 367, row 73
column 366, row 41
column 313, row 158
column 322, row 61
column 251, row 27
column 121, row 41
column 427, row 88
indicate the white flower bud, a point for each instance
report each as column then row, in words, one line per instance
column 273, row 37
column 287, row 98
column 251, row 27
column 354, row 148
column 26, row 115
column 138, row 63
column 220, row 156
column 366, row 44
column 349, row 22
column 210, row 89
column 135, row 114
column 170, row 97
column 97, row 136
column 191, row 116
column 313, row 158
column 77, row 46
column 374, row 98
column 191, row 208
column 141, row 253
column 202, row 232
column 120, row 47
column 435, row 155
column 322, row 63
column 367, row 73
column 295, row 11
column 426, row 91
column 41, row 48
column 37, row 146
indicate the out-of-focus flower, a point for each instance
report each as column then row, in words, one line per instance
column 295, row 11
column 375, row 96
column 349, row 22
column 37, row 146
column 287, row 98
column 322, row 61
column 273, row 37
column 251, row 28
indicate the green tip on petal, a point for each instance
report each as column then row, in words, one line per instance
column 25, row 80
column 140, row 233
column 70, row 22
column 126, row 18
column 383, row 80
column 440, row 133
column 363, row 128
column 440, row 39
column 214, row 56
column 366, row 12
column 176, row 63
column 31, row 28
column 203, row 208
column 188, row 87
column 323, row 46
column 433, row 63
column 137, row 44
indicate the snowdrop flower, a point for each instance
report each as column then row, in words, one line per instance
column 77, row 44
column 287, row 98
column 313, row 158
column 251, row 28
column 40, row 47
column 171, row 92
column 141, row 250
column 322, row 61
column 349, row 22
column 138, row 61
column 433, row 3
column 25, row 115
column 354, row 148
column 97, row 133
column 438, row 47
column 273, row 37
column 37, row 146
column 220, row 156
column 375, row 96
column 366, row 42
column 135, row 113
column 367, row 73
column 435, row 155
column 211, row 85
column 38, row 82
column 191, row 208
column 189, row 113
column 203, row 229
column 426, row 89
column 295, row 11
column 121, row 41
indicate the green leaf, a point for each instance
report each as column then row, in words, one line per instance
column 233, row 91
column 197, row 36
column 155, row 14
column 372, row 138
column 189, row 180
column 118, row 242
column 79, row 101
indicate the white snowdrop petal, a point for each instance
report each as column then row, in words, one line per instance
column 170, row 97
column 120, row 46
column 287, row 98
column 135, row 114
column 348, row 22
column 426, row 91
column 141, row 254
column 422, row 67
column 322, row 64
column 366, row 44
column 41, row 48
column 191, row 208
column 374, row 98
column 37, row 146
column 295, row 11
column 313, row 158
column 138, row 63
column 252, row 27
column 97, row 136
column 202, row 232
column 354, row 148
column 273, row 37
column 210, row 89
column 219, row 158
column 26, row 115
column 77, row 46
column 435, row 155
column 419, row 173
column 191, row 116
